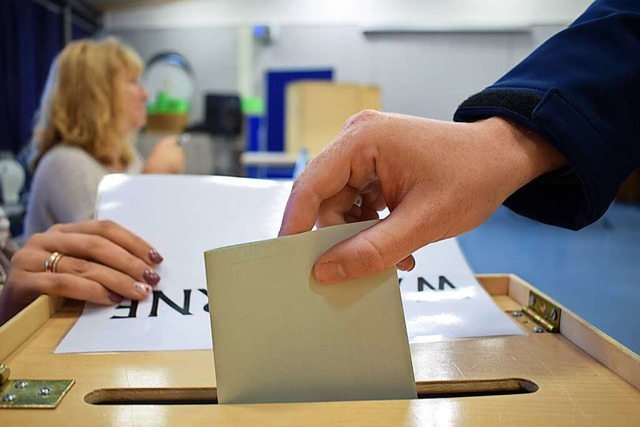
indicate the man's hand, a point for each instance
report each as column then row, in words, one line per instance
column 438, row 179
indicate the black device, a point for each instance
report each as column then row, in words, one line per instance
column 222, row 116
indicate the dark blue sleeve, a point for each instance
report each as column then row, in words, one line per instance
column 581, row 91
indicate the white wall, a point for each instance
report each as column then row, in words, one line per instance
column 431, row 74
column 430, row 13
column 467, row 44
column 211, row 52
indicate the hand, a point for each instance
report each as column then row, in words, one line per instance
column 167, row 156
column 102, row 263
column 438, row 179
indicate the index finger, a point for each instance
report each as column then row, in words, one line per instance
column 117, row 234
column 322, row 179
column 338, row 165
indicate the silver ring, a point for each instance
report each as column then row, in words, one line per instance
column 183, row 139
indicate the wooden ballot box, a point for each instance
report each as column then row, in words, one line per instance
column 575, row 376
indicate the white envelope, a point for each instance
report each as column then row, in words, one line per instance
column 280, row 336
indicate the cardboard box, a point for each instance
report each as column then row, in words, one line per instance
column 316, row 111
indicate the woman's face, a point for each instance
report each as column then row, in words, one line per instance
column 134, row 96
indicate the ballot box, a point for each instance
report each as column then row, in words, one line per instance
column 562, row 372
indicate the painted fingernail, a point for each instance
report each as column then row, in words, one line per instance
column 155, row 256
column 151, row 277
column 330, row 272
column 114, row 297
column 142, row 288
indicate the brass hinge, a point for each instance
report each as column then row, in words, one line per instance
column 544, row 313
column 31, row 393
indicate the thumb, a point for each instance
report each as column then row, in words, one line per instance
column 372, row 250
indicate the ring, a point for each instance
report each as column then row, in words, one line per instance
column 51, row 264
column 183, row 139
column 358, row 200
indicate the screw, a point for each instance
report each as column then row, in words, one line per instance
column 538, row 329
column 516, row 314
column 554, row 314
column 44, row 391
column 21, row 384
column 532, row 299
column 9, row 397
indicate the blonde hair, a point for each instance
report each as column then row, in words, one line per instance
column 84, row 107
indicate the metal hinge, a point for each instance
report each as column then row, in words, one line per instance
column 544, row 313
column 31, row 393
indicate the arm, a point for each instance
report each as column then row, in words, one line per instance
column 167, row 156
column 438, row 179
column 102, row 263
column 64, row 189
column 571, row 100
column 578, row 91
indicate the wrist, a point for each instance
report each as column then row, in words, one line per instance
column 529, row 154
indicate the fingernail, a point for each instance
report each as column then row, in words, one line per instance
column 151, row 277
column 155, row 256
column 142, row 288
column 329, row 272
column 114, row 297
column 403, row 267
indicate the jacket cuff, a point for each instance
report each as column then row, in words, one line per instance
column 571, row 197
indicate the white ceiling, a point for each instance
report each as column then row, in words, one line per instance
column 110, row 5
column 449, row 15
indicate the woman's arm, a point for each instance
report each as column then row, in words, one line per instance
column 98, row 261
column 167, row 156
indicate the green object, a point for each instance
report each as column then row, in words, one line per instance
column 252, row 106
column 181, row 106
column 165, row 104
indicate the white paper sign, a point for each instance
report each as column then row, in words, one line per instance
column 443, row 300
column 184, row 216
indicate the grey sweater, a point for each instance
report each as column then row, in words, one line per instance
column 65, row 187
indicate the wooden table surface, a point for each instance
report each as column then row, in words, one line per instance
column 574, row 389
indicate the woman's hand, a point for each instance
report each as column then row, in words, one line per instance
column 438, row 179
column 167, row 157
column 100, row 262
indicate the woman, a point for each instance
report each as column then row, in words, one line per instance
column 89, row 117
column 96, row 261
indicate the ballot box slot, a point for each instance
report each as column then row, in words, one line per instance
column 208, row 395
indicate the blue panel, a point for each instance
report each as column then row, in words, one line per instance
column 78, row 32
column 276, row 85
column 269, row 172
column 40, row 40
column 254, row 124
